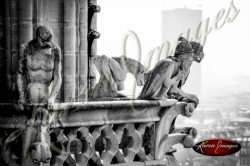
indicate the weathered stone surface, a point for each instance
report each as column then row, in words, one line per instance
column 131, row 132
column 83, row 51
column 84, row 146
column 169, row 75
column 167, row 135
column 107, row 132
column 60, row 147
column 142, row 153
column 39, row 67
column 69, row 74
column 106, row 136
column 129, row 142
column 113, row 73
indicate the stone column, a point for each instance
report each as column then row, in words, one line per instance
column 25, row 27
column 93, row 9
column 18, row 30
column 69, row 45
column 25, row 33
column 37, row 15
column 14, row 40
column 2, row 51
column 54, row 16
column 83, row 50
column 8, row 42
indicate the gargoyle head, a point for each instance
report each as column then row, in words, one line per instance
column 184, row 47
column 137, row 69
column 44, row 36
column 198, row 51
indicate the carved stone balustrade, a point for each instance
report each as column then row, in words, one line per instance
column 122, row 133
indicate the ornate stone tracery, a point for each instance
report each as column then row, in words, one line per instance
column 147, row 137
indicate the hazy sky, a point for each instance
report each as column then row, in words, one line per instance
column 227, row 50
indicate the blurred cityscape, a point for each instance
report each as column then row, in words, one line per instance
column 224, row 112
column 224, row 101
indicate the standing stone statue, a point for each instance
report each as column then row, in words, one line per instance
column 39, row 72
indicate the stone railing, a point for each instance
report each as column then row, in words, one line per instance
column 127, row 132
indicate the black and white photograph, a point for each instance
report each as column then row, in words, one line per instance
column 124, row 83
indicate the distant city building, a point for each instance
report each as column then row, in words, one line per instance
column 237, row 128
column 244, row 112
column 203, row 119
column 244, row 154
column 215, row 161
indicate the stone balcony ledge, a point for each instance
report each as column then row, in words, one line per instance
column 74, row 114
column 120, row 132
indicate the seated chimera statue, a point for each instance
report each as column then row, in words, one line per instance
column 39, row 68
column 169, row 75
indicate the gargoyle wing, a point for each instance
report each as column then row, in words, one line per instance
column 117, row 70
column 155, row 79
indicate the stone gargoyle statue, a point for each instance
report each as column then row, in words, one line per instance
column 163, row 81
column 113, row 72
column 38, row 81
column 39, row 67
column 169, row 75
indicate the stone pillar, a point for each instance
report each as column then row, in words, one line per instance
column 8, row 42
column 38, row 12
column 24, row 29
column 54, row 17
column 2, row 51
column 54, row 20
column 17, row 15
column 93, row 9
column 69, row 45
column 14, row 40
column 83, row 50
column 25, row 11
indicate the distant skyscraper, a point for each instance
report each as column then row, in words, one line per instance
column 176, row 22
